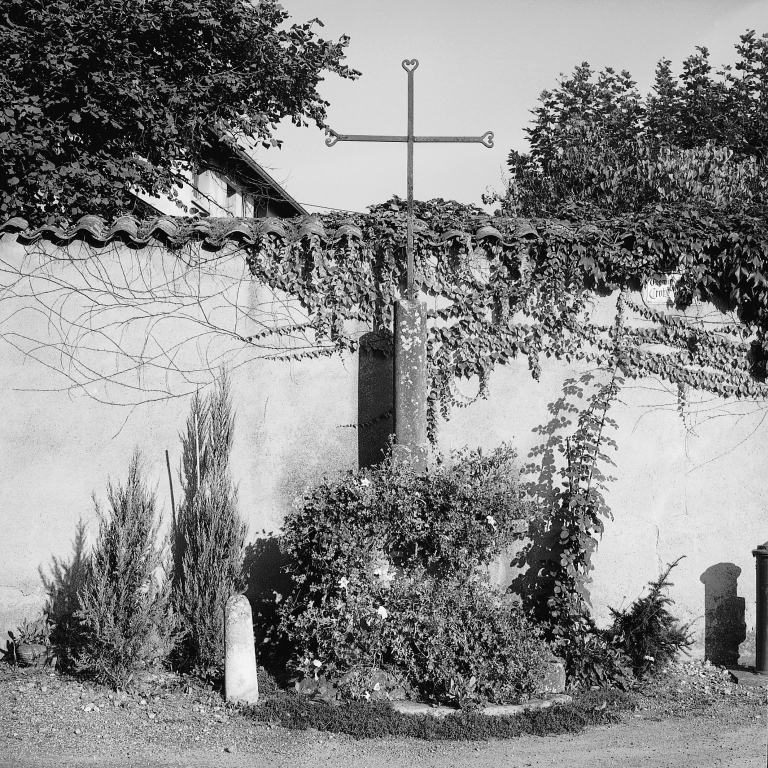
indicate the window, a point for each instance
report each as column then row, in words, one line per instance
column 232, row 200
column 196, row 182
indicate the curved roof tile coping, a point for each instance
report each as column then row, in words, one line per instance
column 217, row 232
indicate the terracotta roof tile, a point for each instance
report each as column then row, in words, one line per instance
column 218, row 232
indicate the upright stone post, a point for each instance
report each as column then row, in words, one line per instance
column 410, row 315
column 761, row 620
column 240, row 681
column 411, row 383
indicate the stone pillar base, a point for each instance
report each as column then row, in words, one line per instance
column 415, row 454
column 411, row 383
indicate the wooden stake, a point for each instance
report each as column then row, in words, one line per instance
column 197, row 450
column 170, row 483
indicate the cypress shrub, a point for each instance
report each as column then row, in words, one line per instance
column 125, row 621
column 208, row 532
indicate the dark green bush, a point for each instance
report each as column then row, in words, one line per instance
column 453, row 641
column 591, row 659
column 208, row 536
column 647, row 632
column 390, row 572
column 125, row 619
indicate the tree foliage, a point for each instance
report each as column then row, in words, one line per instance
column 103, row 97
column 599, row 148
column 674, row 182
column 609, row 203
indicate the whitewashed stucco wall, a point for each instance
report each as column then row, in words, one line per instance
column 695, row 491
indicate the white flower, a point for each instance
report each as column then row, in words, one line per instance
column 317, row 663
column 278, row 597
column 343, row 582
column 367, row 696
column 382, row 611
column 649, row 658
column 365, row 482
column 383, row 573
column 490, row 521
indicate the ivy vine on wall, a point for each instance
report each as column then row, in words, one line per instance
column 500, row 287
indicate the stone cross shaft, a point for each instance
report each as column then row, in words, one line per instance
column 410, row 65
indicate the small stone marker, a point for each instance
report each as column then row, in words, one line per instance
column 552, row 678
column 240, row 681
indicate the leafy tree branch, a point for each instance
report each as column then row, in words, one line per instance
column 103, row 98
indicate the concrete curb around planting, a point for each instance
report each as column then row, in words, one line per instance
column 419, row 708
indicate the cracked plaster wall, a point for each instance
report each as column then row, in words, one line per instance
column 294, row 422
column 697, row 494
column 690, row 490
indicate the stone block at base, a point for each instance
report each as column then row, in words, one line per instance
column 518, row 709
column 552, row 678
column 501, row 710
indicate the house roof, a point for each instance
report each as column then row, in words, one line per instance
column 279, row 191
column 233, row 163
column 215, row 233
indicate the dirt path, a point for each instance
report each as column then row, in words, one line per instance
column 696, row 743
column 46, row 721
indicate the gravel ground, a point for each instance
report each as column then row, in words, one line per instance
column 694, row 715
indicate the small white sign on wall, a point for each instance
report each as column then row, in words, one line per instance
column 661, row 290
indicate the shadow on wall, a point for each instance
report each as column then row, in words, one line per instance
column 724, row 625
column 375, row 399
column 267, row 582
column 66, row 580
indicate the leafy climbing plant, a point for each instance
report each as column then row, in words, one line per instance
column 568, row 490
column 499, row 287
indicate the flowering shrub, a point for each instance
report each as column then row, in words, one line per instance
column 452, row 518
column 388, row 568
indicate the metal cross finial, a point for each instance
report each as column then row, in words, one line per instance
column 410, row 66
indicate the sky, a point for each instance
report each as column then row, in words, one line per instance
column 482, row 66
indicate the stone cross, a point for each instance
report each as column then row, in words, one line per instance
column 410, row 66
column 410, row 314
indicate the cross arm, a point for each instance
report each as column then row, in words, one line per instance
column 486, row 139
